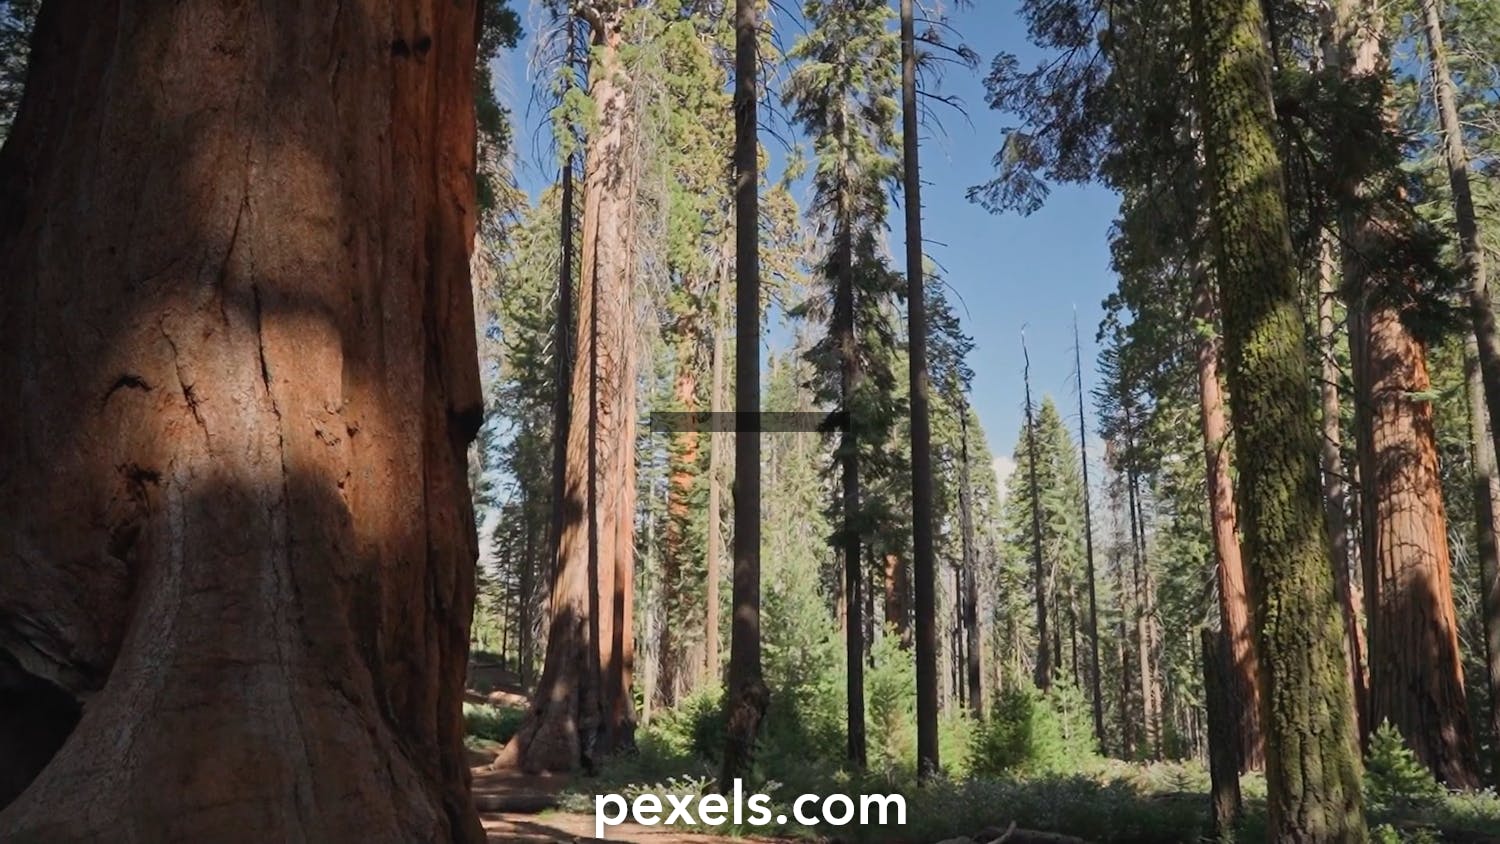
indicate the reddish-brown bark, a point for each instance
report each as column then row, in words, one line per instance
column 1235, row 609
column 680, row 485
column 237, row 346
column 1415, row 671
column 1416, row 674
column 897, row 582
column 582, row 708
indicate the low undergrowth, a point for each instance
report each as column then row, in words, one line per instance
column 1032, row 763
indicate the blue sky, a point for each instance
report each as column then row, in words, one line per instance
column 1005, row 272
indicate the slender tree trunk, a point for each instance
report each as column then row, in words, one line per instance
column 680, row 486
column 580, row 708
column 715, row 541
column 240, row 376
column 1486, row 484
column 1088, row 544
column 1073, row 637
column 1151, row 727
column 1335, row 493
column 525, row 586
column 849, row 467
column 1312, row 762
column 1243, row 679
column 921, row 431
column 747, row 697
column 970, row 594
column 1043, row 672
column 1471, row 247
column 1128, row 722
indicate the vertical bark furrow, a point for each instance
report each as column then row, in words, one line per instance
column 270, row 561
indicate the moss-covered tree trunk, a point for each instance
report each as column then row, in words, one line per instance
column 1312, row 761
column 237, row 357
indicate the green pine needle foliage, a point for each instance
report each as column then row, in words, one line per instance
column 1394, row 777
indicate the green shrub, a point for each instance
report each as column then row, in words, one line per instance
column 1103, row 811
column 492, row 723
column 1029, row 733
column 891, row 706
column 1394, row 777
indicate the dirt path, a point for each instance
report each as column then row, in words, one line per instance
column 516, row 807
column 567, row 827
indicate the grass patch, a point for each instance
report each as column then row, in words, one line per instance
column 492, row 723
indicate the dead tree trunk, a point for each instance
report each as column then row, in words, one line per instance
column 1043, row 673
column 1088, row 545
column 239, row 361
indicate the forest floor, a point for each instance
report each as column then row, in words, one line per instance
column 518, row 807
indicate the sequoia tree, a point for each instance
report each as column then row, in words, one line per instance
column 582, row 707
column 237, row 348
column 1312, row 762
column 1416, row 675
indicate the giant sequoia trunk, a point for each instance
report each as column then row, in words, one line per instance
column 237, row 349
column 1416, row 674
column 1312, row 763
column 582, row 708
column 1243, row 669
